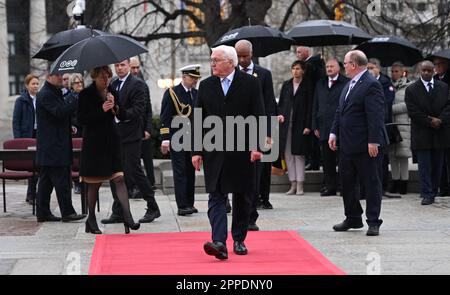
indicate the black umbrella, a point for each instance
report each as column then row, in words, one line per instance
column 442, row 53
column 96, row 51
column 326, row 33
column 265, row 40
column 389, row 49
column 63, row 40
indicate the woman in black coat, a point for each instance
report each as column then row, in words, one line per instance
column 295, row 108
column 24, row 122
column 100, row 156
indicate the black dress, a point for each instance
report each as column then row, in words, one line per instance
column 100, row 155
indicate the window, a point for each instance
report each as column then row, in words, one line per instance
column 12, row 85
column 11, row 44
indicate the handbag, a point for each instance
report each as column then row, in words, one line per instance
column 279, row 167
column 393, row 134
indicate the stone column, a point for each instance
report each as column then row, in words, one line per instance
column 38, row 36
column 5, row 113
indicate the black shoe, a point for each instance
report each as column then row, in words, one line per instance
column 346, row 225
column 253, row 227
column 394, row 186
column 216, row 249
column 427, row 201
column 323, row 189
column 92, row 227
column 266, row 205
column 194, row 210
column 131, row 224
column 328, row 192
column 391, row 196
column 374, row 230
column 184, row 211
column 112, row 219
column 443, row 194
column 150, row 215
column 29, row 201
column 239, row 248
column 73, row 217
column 50, row 217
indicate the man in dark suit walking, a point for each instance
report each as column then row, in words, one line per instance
column 54, row 150
column 427, row 101
column 244, row 52
column 326, row 100
column 359, row 127
column 179, row 102
column 130, row 126
column 228, row 92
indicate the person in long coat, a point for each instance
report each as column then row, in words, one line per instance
column 24, row 122
column 295, row 111
column 100, row 154
column 400, row 152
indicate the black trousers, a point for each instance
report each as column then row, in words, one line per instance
column 184, row 178
column 444, row 186
column 131, row 161
column 58, row 178
column 329, row 161
column 147, row 157
column 362, row 167
column 217, row 215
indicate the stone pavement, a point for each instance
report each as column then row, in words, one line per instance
column 414, row 239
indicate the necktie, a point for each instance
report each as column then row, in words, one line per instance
column 119, row 84
column 430, row 86
column 352, row 84
column 245, row 70
column 190, row 95
column 225, row 85
column 331, row 83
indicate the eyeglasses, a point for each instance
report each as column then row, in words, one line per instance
column 216, row 60
column 77, row 82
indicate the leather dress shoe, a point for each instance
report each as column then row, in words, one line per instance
column 194, row 210
column 266, row 205
column 328, row 192
column 239, row 248
column 184, row 211
column 253, row 227
column 427, row 201
column 50, row 217
column 216, row 249
column 374, row 230
column 150, row 215
column 73, row 217
column 112, row 219
column 346, row 225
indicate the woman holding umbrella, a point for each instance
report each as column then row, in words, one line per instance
column 295, row 110
column 100, row 156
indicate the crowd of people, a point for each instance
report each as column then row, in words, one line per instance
column 344, row 115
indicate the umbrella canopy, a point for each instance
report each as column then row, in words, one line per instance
column 63, row 40
column 442, row 53
column 389, row 49
column 265, row 40
column 326, row 33
column 96, row 51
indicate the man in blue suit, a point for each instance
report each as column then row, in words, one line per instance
column 359, row 127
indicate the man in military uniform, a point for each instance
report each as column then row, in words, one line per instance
column 180, row 101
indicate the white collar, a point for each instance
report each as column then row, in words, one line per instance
column 249, row 68
column 333, row 79
column 425, row 83
column 357, row 77
column 185, row 88
column 229, row 77
column 124, row 78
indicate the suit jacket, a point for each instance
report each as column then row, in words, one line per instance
column 389, row 96
column 229, row 171
column 264, row 76
column 359, row 119
column 326, row 101
column 168, row 110
column 54, row 140
column 445, row 79
column 23, row 116
column 300, row 104
column 420, row 105
column 132, row 102
column 100, row 154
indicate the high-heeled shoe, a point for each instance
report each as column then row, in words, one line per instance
column 132, row 225
column 92, row 228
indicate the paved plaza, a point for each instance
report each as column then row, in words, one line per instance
column 413, row 239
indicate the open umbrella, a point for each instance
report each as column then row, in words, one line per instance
column 63, row 40
column 326, row 33
column 96, row 51
column 389, row 49
column 441, row 53
column 265, row 40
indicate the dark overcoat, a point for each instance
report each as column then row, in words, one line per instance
column 23, row 116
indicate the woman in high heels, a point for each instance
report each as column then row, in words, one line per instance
column 100, row 155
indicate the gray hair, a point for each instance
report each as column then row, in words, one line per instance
column 358, row 57
column 244, row 43
column 398, row 64
column 74, row 77
column 375, row 61
column 228, row 53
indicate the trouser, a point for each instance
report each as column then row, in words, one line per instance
column 183, row 178
column 329, row 161
column 430, row 169
column 399, row 168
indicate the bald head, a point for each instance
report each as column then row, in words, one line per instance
column 135, row 66
column 244, row 50
column 303, row 52
column 426, row 70
column 355, row 62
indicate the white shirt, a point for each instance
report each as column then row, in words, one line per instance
column 122, row 80
column 330, row 80
column 425, row 83
column 230, row 77
column 249, row 68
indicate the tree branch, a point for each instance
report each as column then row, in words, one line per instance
column 287, row 15
column 173, row 36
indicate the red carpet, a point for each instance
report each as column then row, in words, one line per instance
column 181, row 253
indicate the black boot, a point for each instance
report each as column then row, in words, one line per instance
column 403, row 187
column 395, row 186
